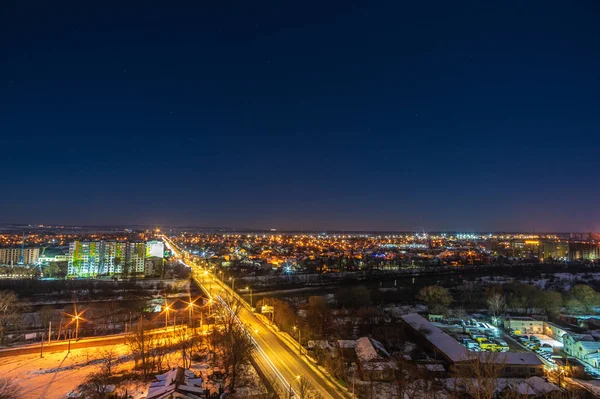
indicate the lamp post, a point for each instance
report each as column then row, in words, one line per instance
column 250, row 289
column 76, row 327
column 167, row 308
column 291, row 391
column 191, row 309
column 299, row 339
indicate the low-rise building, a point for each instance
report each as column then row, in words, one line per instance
column 374, row 362
column 440, row 345
column 524, row 325
column 176, row 383
column 583, row 347
column 557, row 330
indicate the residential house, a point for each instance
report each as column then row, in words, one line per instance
column 176, row 383
column 374, row 362
column 584, row 348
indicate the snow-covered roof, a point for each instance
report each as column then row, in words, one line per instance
column 176, row 379
column 517, row 358
column 346, row 343
column 590, row 345
column 368, row 349
column 458, row 353
column 321, row 344
column 444, row 342
column 372, row 355
column 533, row 386
column 578, row 337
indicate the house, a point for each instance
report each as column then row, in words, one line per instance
column 435, row 318
column 572, row 340
column 442, row 346
column 524, row 325
column 584, row 348
column 176, row 383
column 374, row 362
column 346, row 348
column 534, row 387
column 558, row 330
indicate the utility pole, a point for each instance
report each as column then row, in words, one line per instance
column 299, row 339
column 42, row 346
column 191, row 309
column 49, row 330
column 77, row 328
column 250, row 289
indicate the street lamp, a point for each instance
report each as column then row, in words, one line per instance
column 76, row 318
column 299, row 339
column 250, row 289
column 191, row 309
column 167, row 308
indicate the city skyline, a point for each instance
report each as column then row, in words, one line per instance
column 370, row 117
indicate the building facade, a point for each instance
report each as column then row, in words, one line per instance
column 12, row 256
column 524, row 325
column 584, row 250
column 554, row 250
column 101, row 258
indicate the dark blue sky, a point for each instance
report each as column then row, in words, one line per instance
column 327, row 115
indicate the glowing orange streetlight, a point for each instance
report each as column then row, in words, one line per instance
column 166, row 310
column 75, row 318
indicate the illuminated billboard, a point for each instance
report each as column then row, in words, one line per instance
column 155, row 249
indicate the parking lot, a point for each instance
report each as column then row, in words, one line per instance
column 481, row 336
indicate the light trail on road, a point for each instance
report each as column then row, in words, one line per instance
column 283, row 362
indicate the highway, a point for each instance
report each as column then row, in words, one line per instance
column 280, row 362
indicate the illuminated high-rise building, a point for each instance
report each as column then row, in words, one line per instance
column 98, row 258
column 584, row 250
column 12, row 256
column 554, row 249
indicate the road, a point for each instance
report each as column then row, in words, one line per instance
column 64, row 345
column 283, row 363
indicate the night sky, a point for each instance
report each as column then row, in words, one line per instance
column 434, row 115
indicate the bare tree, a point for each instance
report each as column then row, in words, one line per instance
column 235, row 343
column 108, row 358
column 94, row 386
column 306, row 389
column 95, row 383
column 478, row 377
column 149, row 350
column 9, row 389
column 46, row 315
column 186, row 342
column 9, row 311
column 496, row 304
